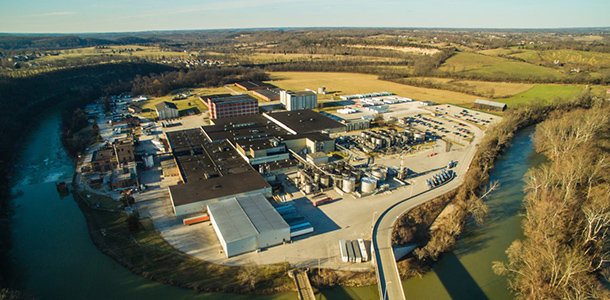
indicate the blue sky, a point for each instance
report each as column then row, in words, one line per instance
column 69, row 16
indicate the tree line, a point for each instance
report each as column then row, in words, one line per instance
column 25, row 99
column 565, row 251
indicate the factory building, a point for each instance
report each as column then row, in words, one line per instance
column 166, row 110
column 226, row 105
column 209, row 172
column 246, row 224
column 259, row 140
column 253, row 85
column 268, row 94
column 489, row 105
column 304, row 121
column 299, row 100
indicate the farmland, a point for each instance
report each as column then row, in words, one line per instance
column 544, row 92
column 474, row 63
column 352, row 83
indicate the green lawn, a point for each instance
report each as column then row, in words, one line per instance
column 544, row 91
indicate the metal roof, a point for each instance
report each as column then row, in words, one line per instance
column 243, row 217
column 165, row 104
column 490, row 103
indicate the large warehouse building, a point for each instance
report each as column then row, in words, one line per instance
column 304, row 121
column 299, row 100
column 245, row 224
column 210, row 172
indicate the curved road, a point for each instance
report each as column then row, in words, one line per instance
column 388, row 278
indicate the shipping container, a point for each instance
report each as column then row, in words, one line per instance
column 302, row 231
column 358, row 255
column 343, row 249
column 195, row 220
column 365, row 256
column 350, row 251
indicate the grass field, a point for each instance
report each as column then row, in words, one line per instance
column 485, row 64
column 148, row 107
column 352, row 83
column 146, row 51
column 593, row 59
column 500, row 89
column 268, row 57
column 544, row 91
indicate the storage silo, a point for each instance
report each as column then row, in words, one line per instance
column 349, row 184
column 368, row 185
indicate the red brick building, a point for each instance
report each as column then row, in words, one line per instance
column 224, row 105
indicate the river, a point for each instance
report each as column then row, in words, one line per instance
column 55, row 258
column 465, row 272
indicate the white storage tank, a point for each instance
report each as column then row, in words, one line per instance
column 368, row 185
column 308, row 189
column 379, row 173
column 349, row 184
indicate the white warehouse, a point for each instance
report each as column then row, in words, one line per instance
column 299, row 100
column 245, row 224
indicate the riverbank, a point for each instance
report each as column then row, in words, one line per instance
column 147, row 254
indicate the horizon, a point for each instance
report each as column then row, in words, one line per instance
column 74, row 17
column 312, row 28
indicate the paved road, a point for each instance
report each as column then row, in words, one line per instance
column 388, row 278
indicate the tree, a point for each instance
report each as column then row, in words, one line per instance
column 250, row 275
column 127, row 199
column 133, row 222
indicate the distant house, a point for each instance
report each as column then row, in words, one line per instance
column 166, row 110
column 489, row 105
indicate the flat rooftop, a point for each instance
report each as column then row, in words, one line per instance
column 220, row 99
column 254, row 85
column 303, row 93
column 242, row 217
column 209, row 169
column 305, row 121
column 242, row 128
column 269, row 93
column 201, row 189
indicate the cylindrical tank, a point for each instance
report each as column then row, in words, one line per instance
column 303, row 177
column 348, row 184
column 379, row 142
column 316, row 177
column 379, row 173
column 325, row 181
column 368, row 184
column 419, row 136
column 308, row 188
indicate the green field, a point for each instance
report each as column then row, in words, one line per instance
column 544, row 91
column 500, row 89
column 184, row 106
column 468, row 62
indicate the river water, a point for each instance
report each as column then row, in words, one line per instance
column 55, row 258
column 465, row 272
